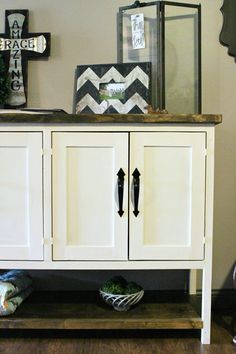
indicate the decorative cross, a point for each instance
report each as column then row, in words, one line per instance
column 18, row 46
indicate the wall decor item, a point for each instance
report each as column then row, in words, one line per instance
column 4, row 83
column 168, row 34
column 228, row 31
column 112, row 88
column 17, row 45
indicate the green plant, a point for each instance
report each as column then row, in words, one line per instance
column 119, row 286
column 4, row 82
column 132, row 288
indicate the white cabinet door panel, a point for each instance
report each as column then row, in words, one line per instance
column 21, row 219
column 170, row 223
column 86, row 223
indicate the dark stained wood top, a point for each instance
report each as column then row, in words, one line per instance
column 78, row 312
column 76, row 119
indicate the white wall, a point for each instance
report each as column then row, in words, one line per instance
column 84, row 32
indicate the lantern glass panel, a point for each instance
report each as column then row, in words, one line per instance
column 149, row 53
column 181, row 59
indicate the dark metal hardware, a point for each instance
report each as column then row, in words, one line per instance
column 120, row 183
column 138, row 4
column 136, row 183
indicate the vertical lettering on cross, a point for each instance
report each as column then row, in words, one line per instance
column 17, row 98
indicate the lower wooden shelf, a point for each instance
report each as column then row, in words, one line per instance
column 75, row 310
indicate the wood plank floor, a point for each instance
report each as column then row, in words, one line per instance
column 122, row 341
column 90, row 342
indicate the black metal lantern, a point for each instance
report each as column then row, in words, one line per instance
column 167, row 34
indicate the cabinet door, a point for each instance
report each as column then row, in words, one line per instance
column 21, row 220
column 86, row 222
column 170, row 223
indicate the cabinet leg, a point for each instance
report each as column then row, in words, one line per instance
column 206, row 306
column 192, row 289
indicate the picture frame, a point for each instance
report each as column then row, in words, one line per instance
column 112, row 88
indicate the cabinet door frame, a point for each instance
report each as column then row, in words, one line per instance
column 139, row 249
column 32, row 190
column 117, row 249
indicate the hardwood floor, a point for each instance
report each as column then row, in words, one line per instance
column 17, row 341
column 117, row 342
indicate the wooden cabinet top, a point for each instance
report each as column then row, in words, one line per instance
column 76, row 119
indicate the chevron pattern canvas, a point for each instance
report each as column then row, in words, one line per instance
column 112, row 88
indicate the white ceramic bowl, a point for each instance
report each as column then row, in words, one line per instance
column 121, row 302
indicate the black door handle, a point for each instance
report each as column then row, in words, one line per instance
column 136, row 185
column 120, row 183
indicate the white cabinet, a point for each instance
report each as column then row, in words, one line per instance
column 21, row 210
column 169, row 193
column 170, row 223
column 97, row 195
column 86, row 222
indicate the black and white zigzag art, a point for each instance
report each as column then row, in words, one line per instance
column 112, row 88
